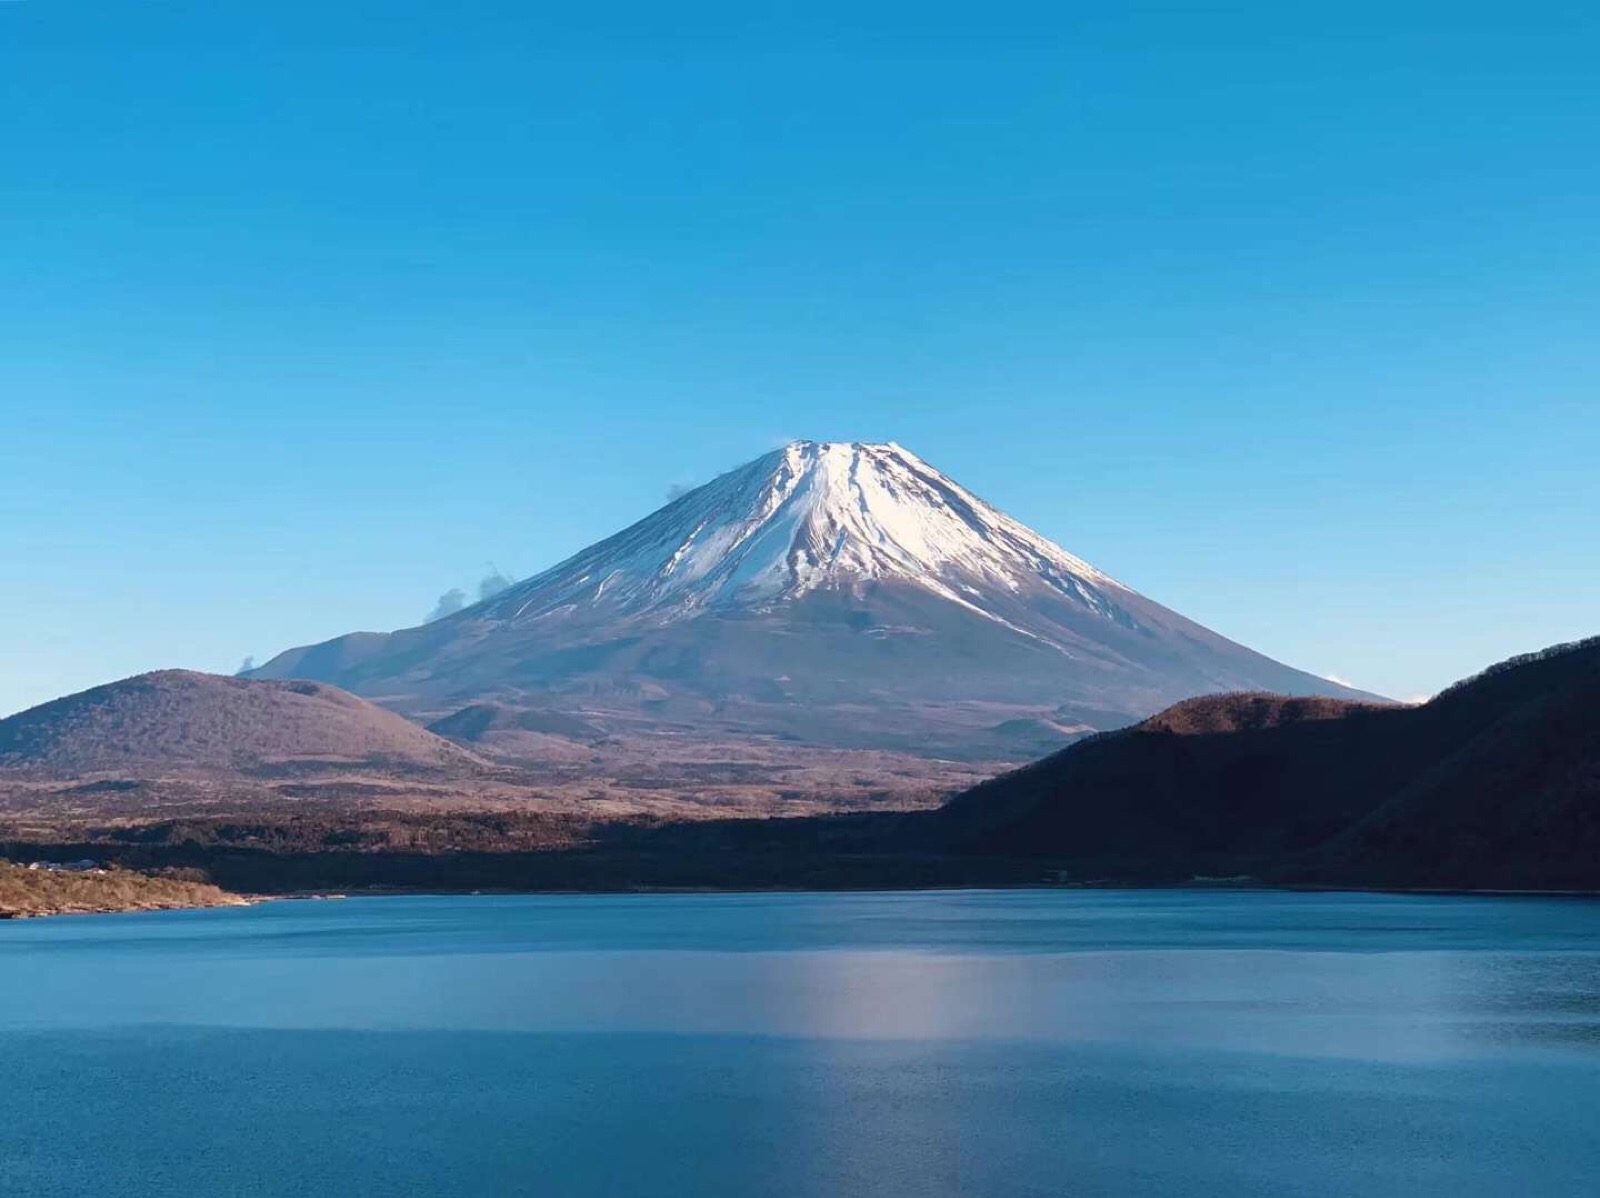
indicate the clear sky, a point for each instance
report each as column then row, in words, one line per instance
column 1284, row 314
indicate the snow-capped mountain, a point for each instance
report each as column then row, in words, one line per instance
column 840, row 593
column 810, row 516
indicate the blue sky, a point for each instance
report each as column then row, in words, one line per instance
column 309, row 312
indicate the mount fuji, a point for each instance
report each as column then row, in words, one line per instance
column 837, row 594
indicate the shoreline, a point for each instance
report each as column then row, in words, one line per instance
column 39, row 893
column 142, row 892
column 153, row 909
column 572, row 892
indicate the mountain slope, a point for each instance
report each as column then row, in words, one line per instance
column 1496, row 782
column 838, row 594
column 176, row 720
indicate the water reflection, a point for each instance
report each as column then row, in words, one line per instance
column 1363, row 977
column 896, row 1045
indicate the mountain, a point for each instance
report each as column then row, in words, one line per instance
column 828, row 593
column 1494, row 783
column 183, row 722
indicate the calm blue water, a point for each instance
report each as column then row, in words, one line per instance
column 994, row 1044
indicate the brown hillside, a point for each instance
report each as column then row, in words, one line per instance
column 1248, row 712
column 181, row 721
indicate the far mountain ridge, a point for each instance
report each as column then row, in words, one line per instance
column 836, row 594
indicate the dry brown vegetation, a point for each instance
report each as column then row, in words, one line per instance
column 27, row 892
column 663, row 777
column 175, row 744
column 1247, row 712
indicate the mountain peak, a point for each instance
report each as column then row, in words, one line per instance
column 808, row 516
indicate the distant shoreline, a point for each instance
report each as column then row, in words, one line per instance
column 231, row 900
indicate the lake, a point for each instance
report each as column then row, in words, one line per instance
column 985, row 1043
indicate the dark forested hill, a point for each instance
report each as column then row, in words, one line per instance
column 1496, row 782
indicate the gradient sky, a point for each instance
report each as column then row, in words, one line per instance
column 1285, row 315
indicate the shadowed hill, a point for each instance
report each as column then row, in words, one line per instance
column 1495, row 782
column 181, row 721
column 1197, row 787
column 1516, row 806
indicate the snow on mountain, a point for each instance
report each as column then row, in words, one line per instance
column 811, row 515
column 835, row 593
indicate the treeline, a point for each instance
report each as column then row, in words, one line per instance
column 525, row 851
